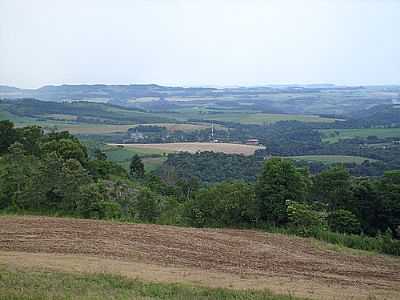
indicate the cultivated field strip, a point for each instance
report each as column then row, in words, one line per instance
column 193, row 147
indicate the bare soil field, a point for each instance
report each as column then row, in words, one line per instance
column 240, row 259
column 228, row 148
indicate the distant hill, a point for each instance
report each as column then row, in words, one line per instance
column 380, row 114
column 98, row 92
column 79, row 111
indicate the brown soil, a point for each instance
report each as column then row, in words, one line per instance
column 194, row 147
column 212, row 257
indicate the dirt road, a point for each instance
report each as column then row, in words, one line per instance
column 211, row 257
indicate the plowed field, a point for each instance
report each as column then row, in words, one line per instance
column 211, row 257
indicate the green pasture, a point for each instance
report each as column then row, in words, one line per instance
column 334, row 135
column 331, row 159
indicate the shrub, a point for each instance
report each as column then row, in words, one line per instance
column 343, row 221
column 303, row 218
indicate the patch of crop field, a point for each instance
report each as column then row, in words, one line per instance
column 84, row 128
column 332, row 159
column 143, row 99
column 172, row 127
column 150, row 163
column 151, row 158
column 18, row 120
column 261, row 118
column 62, row 117
column 194, row 147
column 211, row 258
column 122, row 151
column 242, row 116
column 334, row 135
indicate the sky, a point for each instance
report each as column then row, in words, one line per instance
column 199, row 42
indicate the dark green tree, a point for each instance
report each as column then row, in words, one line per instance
column 30, row 137
column 136, row 167
column 343, row 221
column 224, row 204
column 279, row 181
column 390, row 195
column 93, row 203
column 8, row 135
column 146, row 206
column 67, row 149
column 99, row 155
column 333, row 188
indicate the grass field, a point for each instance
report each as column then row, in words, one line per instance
column 239, row 116
column 183, row 127
column 123, row 155
column 46, row 285
column 332, row 159
column 332, row 137
column 261, row 118
column 228, row 148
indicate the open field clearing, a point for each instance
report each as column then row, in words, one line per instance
column 228, row 148
column 238, row 259
column 261, row 118
column 244, row 117
column 332, row 137
column 123, row 156
column 94, row 128
column 172, row 127
column 332, row 159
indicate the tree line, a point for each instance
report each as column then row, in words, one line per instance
column 52, row 173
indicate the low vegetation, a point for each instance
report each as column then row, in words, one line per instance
column 46, row 285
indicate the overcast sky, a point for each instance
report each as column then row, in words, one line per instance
column 199, row 42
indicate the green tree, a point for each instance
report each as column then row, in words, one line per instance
column 30, row 137
column 224, row 204
column 60, row 182
column 343, row 221
column 93, row 203
column 67, row 149
column 304, row 218
column 278, row 182
column 136, row 167
column 390, row 196
column 333, row 188
column 99, row 155
column 146, row 206
column 8, row 135
column 17, row 188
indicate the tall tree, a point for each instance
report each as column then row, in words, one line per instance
column 279, row 181
column 8, row 135
column 333, row 188
column 136, row 167
column 99, row 155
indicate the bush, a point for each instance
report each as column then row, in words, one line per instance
column 303, row 218
column 343, row 221
column 93, row 204
column 146, row 206
column 225, row 204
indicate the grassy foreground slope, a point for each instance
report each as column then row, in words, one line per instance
column 46, row 285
